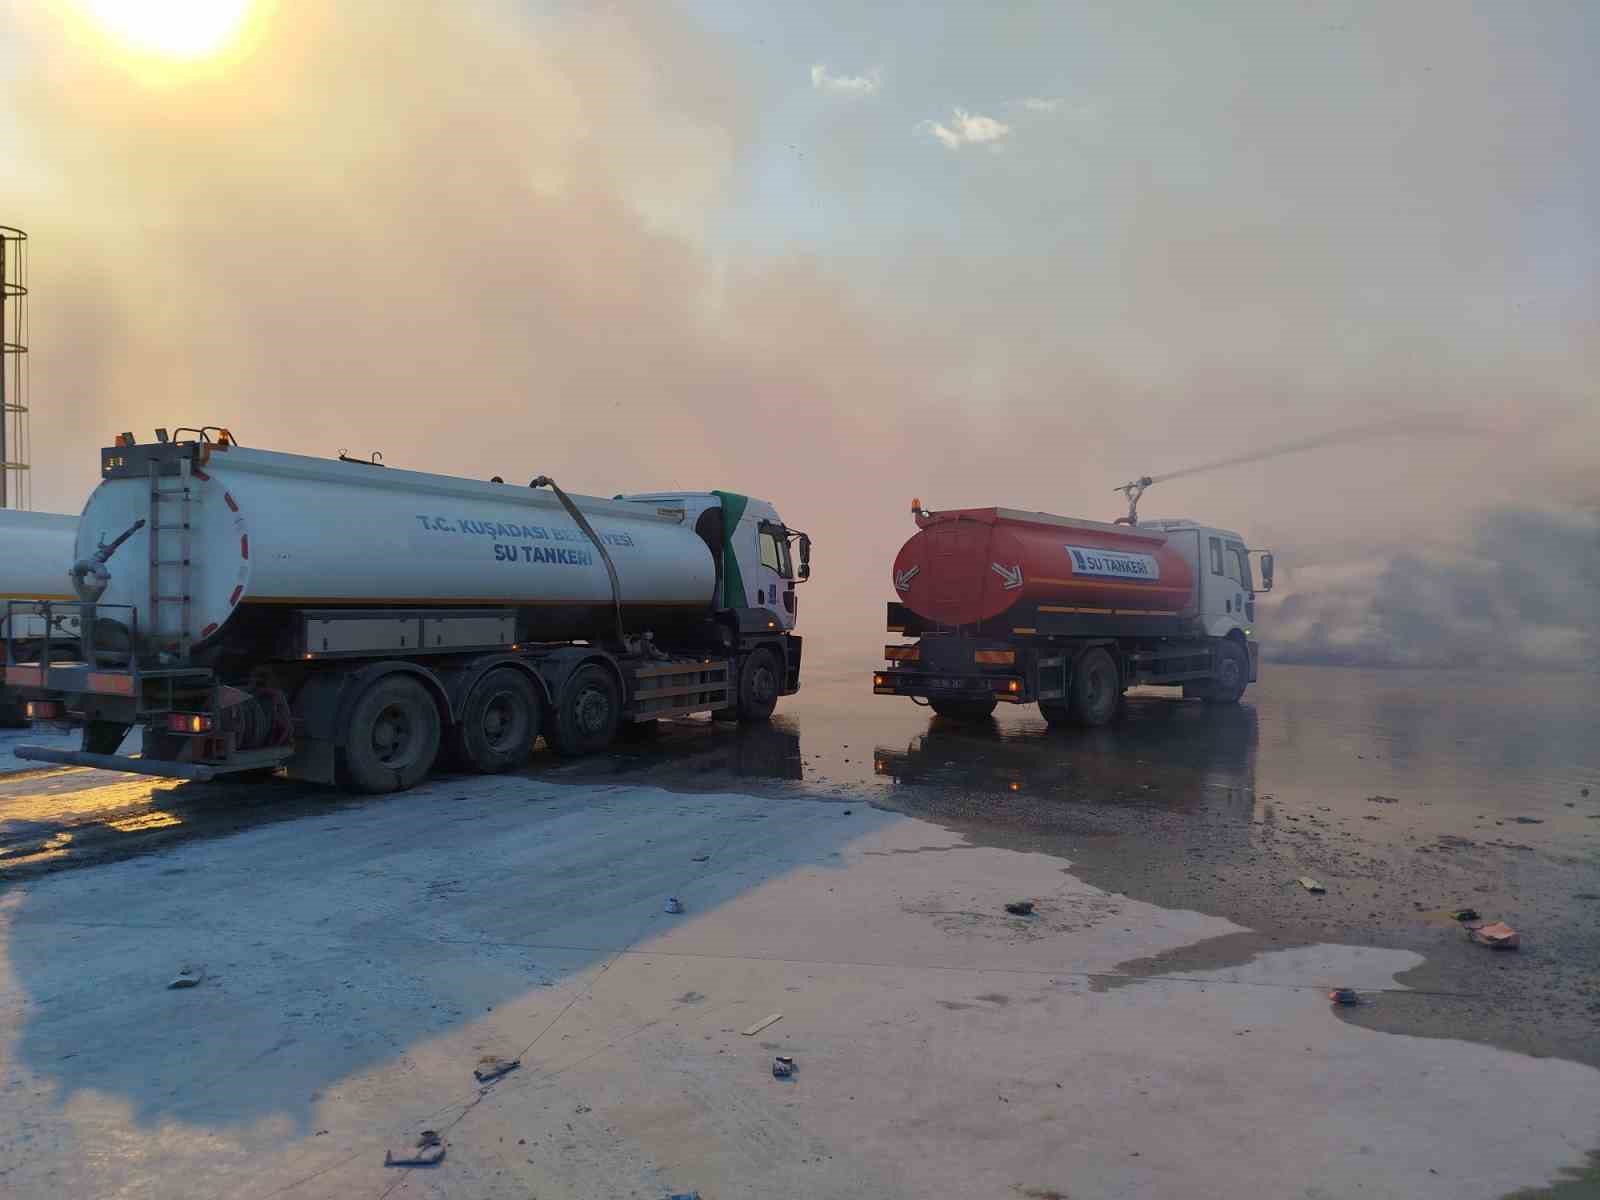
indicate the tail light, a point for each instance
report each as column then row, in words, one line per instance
column 903, row 653
column 190, row 723
column 1011, row 686
column 45, row 710
column 995, row 658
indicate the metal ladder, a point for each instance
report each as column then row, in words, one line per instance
column 170, row 544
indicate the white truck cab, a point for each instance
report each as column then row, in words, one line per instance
column 1225, row 584
column 754, row 550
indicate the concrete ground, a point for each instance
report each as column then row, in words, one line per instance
column 357, row 962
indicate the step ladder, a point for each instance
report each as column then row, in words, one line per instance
column 171, row 527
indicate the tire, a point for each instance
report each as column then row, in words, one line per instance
column 1095, row 690
column 760, row 681
column 391, row 737
column 498, row 723
column 588, row 712
column 103, row 737
column 1230, row 673
column 1055, row 712
column 963, row 710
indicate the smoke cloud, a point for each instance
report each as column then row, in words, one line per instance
column 501, row 239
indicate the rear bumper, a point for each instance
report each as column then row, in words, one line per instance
column 117, row 762
column 897, row 681
column 163, row 768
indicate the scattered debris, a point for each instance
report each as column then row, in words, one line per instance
column 848, row 811
column 187, row 977
column 1344, row 997
column 581, row 1110
column 1311, row 885
column 701, row 858
column 684, row 1196
column 1020, row 908
column 1383, row 800
column 1465, row 914
column 489, row 1069
column 782, row 1067
column 428, row 1152
column 1528, row 820
column 1584, row 792
column 1498, row 936
column 762, row 1024
column 673, row 905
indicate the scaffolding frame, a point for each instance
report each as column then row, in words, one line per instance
column 15, row 449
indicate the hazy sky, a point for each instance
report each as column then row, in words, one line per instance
column 840, row 255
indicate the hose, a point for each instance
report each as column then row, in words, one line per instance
column 583, row 524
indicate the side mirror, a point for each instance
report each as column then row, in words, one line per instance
column 1266, row 572
column 805, row 557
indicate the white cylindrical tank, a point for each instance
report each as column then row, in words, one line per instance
column 288, row 530
column 36, row 551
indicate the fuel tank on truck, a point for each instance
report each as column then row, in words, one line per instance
column 964, row 567
column 271, row 531
column 36, row 551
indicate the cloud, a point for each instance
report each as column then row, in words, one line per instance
column 967, row 129
column 845, row 85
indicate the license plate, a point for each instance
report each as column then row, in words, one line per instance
column 947, row 685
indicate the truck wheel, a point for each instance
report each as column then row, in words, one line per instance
column 498, row 723
column 588, row 712
column 760, row 680
column 1055, row 712
column 1095, row 689
column 103, row 737
column 1230, row 673
column 392, row 736
column 963, row 710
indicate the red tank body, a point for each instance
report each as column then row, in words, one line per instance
column 965, row 566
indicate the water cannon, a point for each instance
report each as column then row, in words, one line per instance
column 1133, row 490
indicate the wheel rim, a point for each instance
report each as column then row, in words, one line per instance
column 395, row 735
column 1096, row 690
column 764, row 684
column 591, row 711
column 501, row 722
column 1228, row 673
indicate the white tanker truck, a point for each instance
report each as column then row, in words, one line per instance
column 35, row 551
column 346, row 620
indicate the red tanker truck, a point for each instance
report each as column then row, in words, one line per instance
column 1023, row 607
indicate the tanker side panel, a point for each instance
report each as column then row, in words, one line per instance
column 272, row 530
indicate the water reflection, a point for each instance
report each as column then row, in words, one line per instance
column 1161, row 747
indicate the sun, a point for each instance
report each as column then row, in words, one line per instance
column 175, row 29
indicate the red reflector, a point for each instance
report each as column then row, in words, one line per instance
column 189, row 722
column 244, row 545
column 44, row 710
column 232, row 503
column 209, row 630
column 199, row 474
column 114, row 685
column 238, row 590
column 24, row 676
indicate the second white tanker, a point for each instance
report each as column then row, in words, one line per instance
column 345, row 619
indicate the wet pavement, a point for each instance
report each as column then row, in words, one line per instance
column 1408, row 794
column 1164, row 852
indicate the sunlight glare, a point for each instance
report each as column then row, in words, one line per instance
column 178, row 29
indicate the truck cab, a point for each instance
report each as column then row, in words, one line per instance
column 759, row 559
column 1225, row 582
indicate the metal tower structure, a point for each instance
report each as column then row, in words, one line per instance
column 14, row 489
